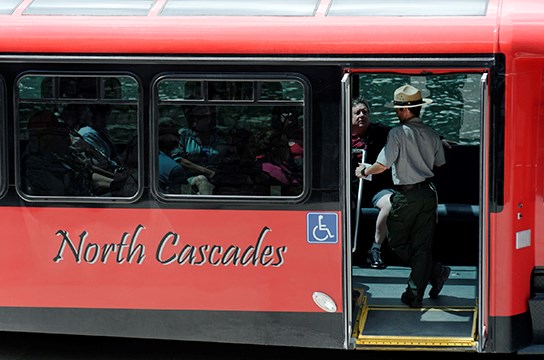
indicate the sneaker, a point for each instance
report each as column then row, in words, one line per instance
column 411, row 300
column 374, row 259
column 438, row 283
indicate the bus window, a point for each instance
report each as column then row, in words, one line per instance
column 78, row 137
column 229, row 142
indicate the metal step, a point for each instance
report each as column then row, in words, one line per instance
column 406, row 328
column 384, row 323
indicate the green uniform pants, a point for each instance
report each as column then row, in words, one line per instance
column 411, row 224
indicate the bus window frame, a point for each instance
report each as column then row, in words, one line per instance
column 137, row 103
column 3, row 131
column 257, row 78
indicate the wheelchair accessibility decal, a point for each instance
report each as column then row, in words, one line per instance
column 322, row 228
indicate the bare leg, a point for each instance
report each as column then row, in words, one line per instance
column 374, row 258
column 384, row 204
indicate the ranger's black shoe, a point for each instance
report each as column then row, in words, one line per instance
column 411, row 300
column 374, row 259
column 438, row 283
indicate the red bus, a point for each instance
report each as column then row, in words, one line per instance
column 98, row 238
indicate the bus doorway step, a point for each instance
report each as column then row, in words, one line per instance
column 402, row 328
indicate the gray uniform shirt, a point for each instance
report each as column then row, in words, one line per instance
column 411, row 151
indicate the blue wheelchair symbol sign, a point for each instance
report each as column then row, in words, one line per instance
column 322, row 228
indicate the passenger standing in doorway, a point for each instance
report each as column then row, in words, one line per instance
column 412, row 151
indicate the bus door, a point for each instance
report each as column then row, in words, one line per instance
column 458, row 113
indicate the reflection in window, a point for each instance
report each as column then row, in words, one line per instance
column 78, row 136
column 272, row 90
column 242, row 138
column 230, row 90
column 239, row 8
column 89, row 7
column 9, row 6
column 454, row 113
column 416, row 8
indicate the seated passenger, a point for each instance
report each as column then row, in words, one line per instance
column 202, row 148
column 172, row 175
column 237, row 173
column 48, row 165
column 200, row 145
column 126, row 182
column 96, row 134
column 73, row 115
column 277, row 165
column 285, row 119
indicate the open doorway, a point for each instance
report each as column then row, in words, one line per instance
column 451, row 318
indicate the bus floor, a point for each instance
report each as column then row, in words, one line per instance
column 382, row 321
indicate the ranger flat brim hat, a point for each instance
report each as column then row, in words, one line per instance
column 407, row 96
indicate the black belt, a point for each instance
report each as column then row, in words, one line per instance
column 419, row 185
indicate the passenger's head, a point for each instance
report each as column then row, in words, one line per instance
column 113, row 88
column 74, row 115
column 52, row 135
column 168, row 126
column 42, row 120
column 275, row 143
column 168, row 142
column 360, row 116
column 200, row 118
column 284, row 118
column 100, row 115
column 168, row 135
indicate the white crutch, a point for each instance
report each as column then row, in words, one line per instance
column 359, row 196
